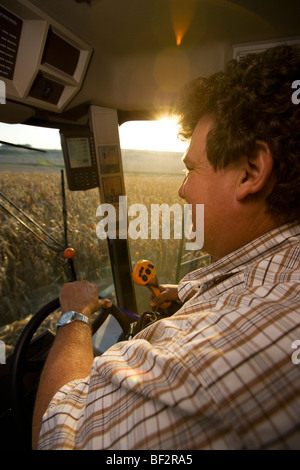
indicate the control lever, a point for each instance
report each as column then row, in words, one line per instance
column 144, row 274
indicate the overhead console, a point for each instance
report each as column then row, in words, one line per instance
column 41, row 63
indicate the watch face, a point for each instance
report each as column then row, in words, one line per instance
column 70, row 316
column 66, row 318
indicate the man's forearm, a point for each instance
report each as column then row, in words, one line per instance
column 71, row 357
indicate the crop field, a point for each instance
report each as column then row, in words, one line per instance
column 31, row 273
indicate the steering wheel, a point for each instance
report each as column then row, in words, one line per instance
column 25, row 371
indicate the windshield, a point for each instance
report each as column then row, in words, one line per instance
column 37, row 207
column 32, row 223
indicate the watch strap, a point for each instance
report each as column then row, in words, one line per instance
column 71, row 316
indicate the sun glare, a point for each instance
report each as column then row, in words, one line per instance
column 151, row 135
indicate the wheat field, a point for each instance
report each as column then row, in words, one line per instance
column 31, row 273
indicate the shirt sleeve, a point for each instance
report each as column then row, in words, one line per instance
column 138, row 396
column 186, row 289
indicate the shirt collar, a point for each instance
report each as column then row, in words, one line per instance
column 240, row 259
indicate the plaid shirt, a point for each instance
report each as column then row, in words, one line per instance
column 218, row 374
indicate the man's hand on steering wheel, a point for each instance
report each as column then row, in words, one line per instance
column 82, row 296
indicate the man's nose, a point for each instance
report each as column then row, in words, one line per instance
column 181, row 189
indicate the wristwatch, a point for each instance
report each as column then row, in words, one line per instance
column 71, row 316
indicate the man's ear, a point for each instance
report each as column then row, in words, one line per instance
column 257, row 171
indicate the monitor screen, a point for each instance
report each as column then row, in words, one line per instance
column 79, row 152
column 67, row 58
column 109, row 159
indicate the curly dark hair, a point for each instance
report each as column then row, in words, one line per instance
column 252, row 100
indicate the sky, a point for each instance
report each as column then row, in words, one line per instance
column 142, row 135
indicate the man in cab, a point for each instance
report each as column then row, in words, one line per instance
column 219, row 373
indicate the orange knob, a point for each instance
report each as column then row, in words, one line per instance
column 69, row 253
column 144, row 274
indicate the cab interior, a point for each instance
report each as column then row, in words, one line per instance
column 85, row 68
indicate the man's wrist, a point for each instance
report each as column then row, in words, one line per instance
column 73, row 316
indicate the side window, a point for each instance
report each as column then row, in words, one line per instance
column 153, row 170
